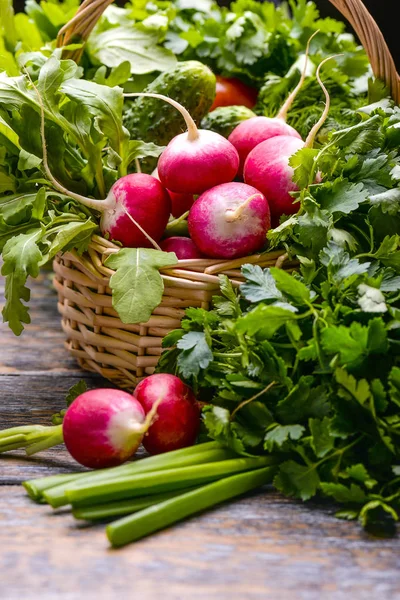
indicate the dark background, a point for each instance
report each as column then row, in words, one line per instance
column 385, row 12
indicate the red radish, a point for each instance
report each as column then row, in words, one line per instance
column 267, row 166
column 143, row 198
column 137, row 207
column 178, row 420
column 231, row 91
column 183, row 247
column 196, row 160
column 180, row 203
column 248, row 134
column 229, row 221
column 103, row 428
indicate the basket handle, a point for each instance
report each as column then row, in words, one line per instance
column 372, row 39
column 81, row 26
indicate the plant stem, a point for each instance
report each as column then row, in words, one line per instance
column 309, row 143
column 166, row 513
column 155, row 482
column 123, row 507
column 193, row 132
column 56, row 496
column 282, row 114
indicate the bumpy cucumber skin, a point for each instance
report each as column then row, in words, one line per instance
column 190, row 83
column 224, row 119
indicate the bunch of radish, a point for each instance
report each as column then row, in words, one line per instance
column 200, row 176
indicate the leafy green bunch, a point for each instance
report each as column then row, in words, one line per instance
column 88, row 149
column 306, row 366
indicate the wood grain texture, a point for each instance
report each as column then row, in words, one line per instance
column 260, row 547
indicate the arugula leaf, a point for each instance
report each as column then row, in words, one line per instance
column 137, row 286
column 22, row 257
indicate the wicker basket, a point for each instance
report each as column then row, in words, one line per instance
column 96, row 337
column 121, row 352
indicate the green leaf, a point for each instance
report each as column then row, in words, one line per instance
column 264, row 321
column 360, row 138
column 76, row 390
column 140, row 48
column 303, row 400
column 321, row 441
column 196, row 354
column 137, row 286
column 73, row 235
column 360, row 474
column 297, row 480
column 377, row 337
column 351, row 343
column 259, row 284
column 228, row 304
column 276, row 437
column 394, row 385
column 341, row 197
column 341, row 493
column 220, row 428
column 359, row 390
column 303, row 164
column 291, row 287
column 388, row 201
column 22, row 258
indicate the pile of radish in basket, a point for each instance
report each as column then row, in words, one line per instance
column 292, row 379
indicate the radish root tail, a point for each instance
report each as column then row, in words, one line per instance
column 287, row 105
column 193, row 133
column 309, row 143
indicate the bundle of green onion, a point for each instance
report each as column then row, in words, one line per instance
column 153, row 493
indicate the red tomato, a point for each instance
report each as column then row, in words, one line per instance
column 232, row 91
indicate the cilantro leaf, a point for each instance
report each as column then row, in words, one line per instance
column 291, row 287
column 196, row 354
column 276, row 437
column 322, row 440
column 259, row 284
column 341, row 493
column 300, row 481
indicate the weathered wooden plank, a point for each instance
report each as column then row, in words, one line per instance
column 260, row 547
column 257, row 548
column 41, row 345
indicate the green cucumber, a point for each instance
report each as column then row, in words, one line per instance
column 190, row 83
column 224, row 119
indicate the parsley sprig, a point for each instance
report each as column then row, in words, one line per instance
column 306, row 366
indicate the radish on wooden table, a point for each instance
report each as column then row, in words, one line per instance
column 137, row 207
column 196, row 160
column 183, row 247
column 251, row 132
column 267, row 166
column 229, row 220
column 104, row 427
column 178, row 414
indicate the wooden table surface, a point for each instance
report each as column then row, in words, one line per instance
column 261, row 547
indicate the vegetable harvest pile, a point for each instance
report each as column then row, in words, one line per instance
column 294, row 375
